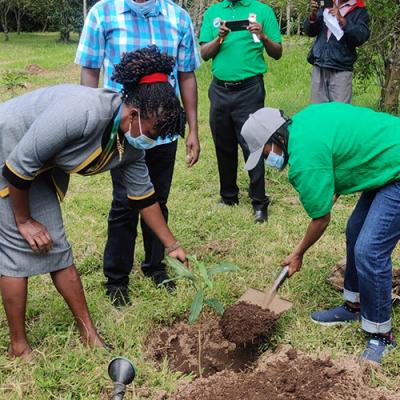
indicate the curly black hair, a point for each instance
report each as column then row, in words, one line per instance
column 152, row 99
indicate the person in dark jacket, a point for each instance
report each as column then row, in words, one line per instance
column 339, row 31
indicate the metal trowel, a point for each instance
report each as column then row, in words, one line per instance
column 268, row 299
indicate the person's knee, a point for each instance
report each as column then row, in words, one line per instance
column 120, row 211
column 370, row 257
column 70, row 273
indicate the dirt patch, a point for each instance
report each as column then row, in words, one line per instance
column 336, row 278
column 179, row 343
column 215, row 247
column 34, row 69
column 245, row 323
column 288, row 375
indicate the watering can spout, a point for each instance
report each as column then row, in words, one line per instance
column 122, row 372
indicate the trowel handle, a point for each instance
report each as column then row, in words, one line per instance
column 280, row 279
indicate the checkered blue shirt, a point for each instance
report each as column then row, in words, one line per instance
column 111, row 29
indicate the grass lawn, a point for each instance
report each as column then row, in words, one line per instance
column 63, row 368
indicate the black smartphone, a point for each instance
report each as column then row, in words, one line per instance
column 237, row 24
column 326, row 3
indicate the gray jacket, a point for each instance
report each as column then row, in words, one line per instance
column 59, row 129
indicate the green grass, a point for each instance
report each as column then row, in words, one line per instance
column 64, row 369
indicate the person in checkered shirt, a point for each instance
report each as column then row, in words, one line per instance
column 112, row 28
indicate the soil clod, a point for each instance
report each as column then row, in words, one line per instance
column 245, row 323
column 179, row 343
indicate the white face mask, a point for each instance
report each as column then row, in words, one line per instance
column 141, row 142
column 275, row 160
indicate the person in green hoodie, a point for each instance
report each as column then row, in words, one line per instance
column 335, row 149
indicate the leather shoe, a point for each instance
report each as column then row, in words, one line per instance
column 260, row 216
column 119, row 297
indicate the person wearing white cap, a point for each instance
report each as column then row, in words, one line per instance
column 335, row 149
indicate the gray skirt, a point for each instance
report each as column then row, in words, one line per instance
column 17, row 259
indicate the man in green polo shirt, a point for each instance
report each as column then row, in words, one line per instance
column 336, row 149
column 237, row 88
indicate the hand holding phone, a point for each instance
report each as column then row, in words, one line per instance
column 223, row 30
column 237, row 24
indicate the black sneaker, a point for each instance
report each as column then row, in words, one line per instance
column 119, row 297
column 158, row 277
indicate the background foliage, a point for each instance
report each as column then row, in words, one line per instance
column 379, row 58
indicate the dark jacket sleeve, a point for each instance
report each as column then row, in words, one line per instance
column 312, row 29
column 135, row 176
column 356, row 31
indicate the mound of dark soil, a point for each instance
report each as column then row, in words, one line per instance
column 245, row 323
column 288, row 376
column 180, row 344
column 34, row 69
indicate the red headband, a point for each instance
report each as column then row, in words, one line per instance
column 153, row 78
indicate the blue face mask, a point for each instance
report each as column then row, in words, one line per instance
column 275, row 160
column 141, row 142
column 142, row 9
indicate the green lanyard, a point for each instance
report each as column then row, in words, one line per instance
column 114, row 131
column 107, row 150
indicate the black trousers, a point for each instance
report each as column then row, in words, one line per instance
column 229, row 110
column 123, row 220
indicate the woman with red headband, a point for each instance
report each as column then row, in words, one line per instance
column 50, row 133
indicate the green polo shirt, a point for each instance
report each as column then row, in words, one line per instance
column 239, row 57
column 339, row 148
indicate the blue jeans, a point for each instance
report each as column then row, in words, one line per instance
column 372, row 233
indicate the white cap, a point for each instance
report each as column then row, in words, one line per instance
column 258, row 129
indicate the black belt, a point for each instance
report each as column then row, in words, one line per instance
column 238, row 85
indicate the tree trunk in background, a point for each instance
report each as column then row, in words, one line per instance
column 5, row 7
column 391, row 89
column 288, row 22
column 84, row 9
column 64, row 36
column 299, row 18
column 18, row 15
column 281, row 15
column 45, row 25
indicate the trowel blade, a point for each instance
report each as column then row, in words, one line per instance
column 277, row 305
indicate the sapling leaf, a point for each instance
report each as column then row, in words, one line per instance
column 179, row 268
column 223, row 267
column 197, row 306
column 169, row 280
column 204, row 275
column 216, row 305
